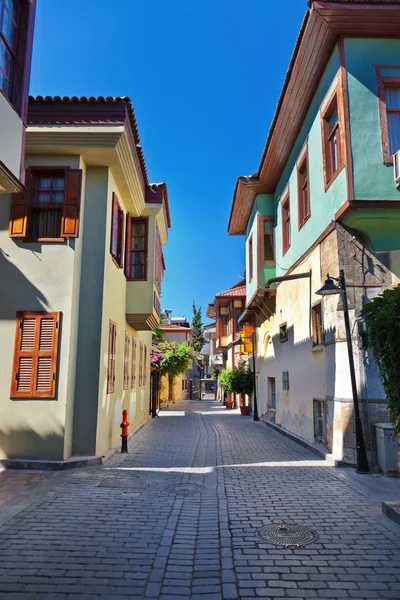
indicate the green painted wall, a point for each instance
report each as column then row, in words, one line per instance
column 323, row 204
column 373, row 180
column 264, row 205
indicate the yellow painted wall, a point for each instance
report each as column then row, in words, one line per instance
column 137, row 401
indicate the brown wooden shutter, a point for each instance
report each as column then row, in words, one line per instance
column 141, row 364
column 121, row 237
column 35, row 356
column 128, row 238
column 133, row 384
column 112, row 350
column 126, row 360
column 145, row 366
column 20, row 209
column 114, row 227
column 72, row 200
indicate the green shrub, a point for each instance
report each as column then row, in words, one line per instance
column 382, row 316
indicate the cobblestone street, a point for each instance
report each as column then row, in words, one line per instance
column 177, row 517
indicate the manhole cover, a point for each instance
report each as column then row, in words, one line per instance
column 124, row 483
column 185, row 489
column 287, row 534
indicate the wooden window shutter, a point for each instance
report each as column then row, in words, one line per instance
column 145, row 366
column 126, row 360
column 133, row 384
column 141, row 364
column 114, row 227
column 35, row 355
column 112, row 347
column 120, row 257
column 72, row 200
column 20, row 208
column 128, row 255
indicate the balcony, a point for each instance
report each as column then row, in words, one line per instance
column 141, row 306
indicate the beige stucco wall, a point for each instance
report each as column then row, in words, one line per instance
column 10, row 137
column 35, row 276
column 136, row 402
column 308, row 368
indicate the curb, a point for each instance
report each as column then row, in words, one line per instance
column 392, row 510
column 315, row 449
column 51, row 465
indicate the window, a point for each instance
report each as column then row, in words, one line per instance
column 331, row 140
column 126, row 361
column 238, row 314
column 251, row 258
column 9, row 18
column 145, row 365
column 285, row 381
column 271, row 393
column 133, row 380
column 35, row 355
column 317, row 328
column 268, row 241
column 224, row 319
column 303, row 187
column 392, row 101
column 112, row 350
column 286, row 224
column 136, row 249
column 183, row 385
column 117, row 231
column 319, row 420
column 141, row 364
column 283, row 333
column 48, row 211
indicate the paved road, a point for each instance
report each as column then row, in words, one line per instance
column 124, row 531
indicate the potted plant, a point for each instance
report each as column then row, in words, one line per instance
column 243, row 385
column 225, row 381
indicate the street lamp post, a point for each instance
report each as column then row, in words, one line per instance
column 252, row 337
column 329, row 289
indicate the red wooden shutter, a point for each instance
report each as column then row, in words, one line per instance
column 72, row 200
column 112, row 347
column 20, row 209
column 128, row 237
column 133, row 384
column 35, row 356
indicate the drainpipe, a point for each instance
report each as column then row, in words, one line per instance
column 286, row 278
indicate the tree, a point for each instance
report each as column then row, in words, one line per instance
column 197, row 326
column 243, row 382
column 382, row 316
column 171, row 359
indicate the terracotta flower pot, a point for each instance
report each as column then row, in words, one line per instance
column 229, row 404
column 245, row 411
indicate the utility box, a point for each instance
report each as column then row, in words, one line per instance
column 386, row 446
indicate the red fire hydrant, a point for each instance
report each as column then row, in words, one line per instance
column 125, row 430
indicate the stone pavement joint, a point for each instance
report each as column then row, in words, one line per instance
column 79, row 540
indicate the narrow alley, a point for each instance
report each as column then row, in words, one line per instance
column 180, row 516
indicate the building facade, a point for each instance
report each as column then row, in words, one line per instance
column 17, row 19
column 322, row 200
column 184, row 385
column 82, row 255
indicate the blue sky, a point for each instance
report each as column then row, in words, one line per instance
column 204, row 78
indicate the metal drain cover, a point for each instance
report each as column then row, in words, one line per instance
column 185, row 489
column 124, row 483
column 287, row 534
